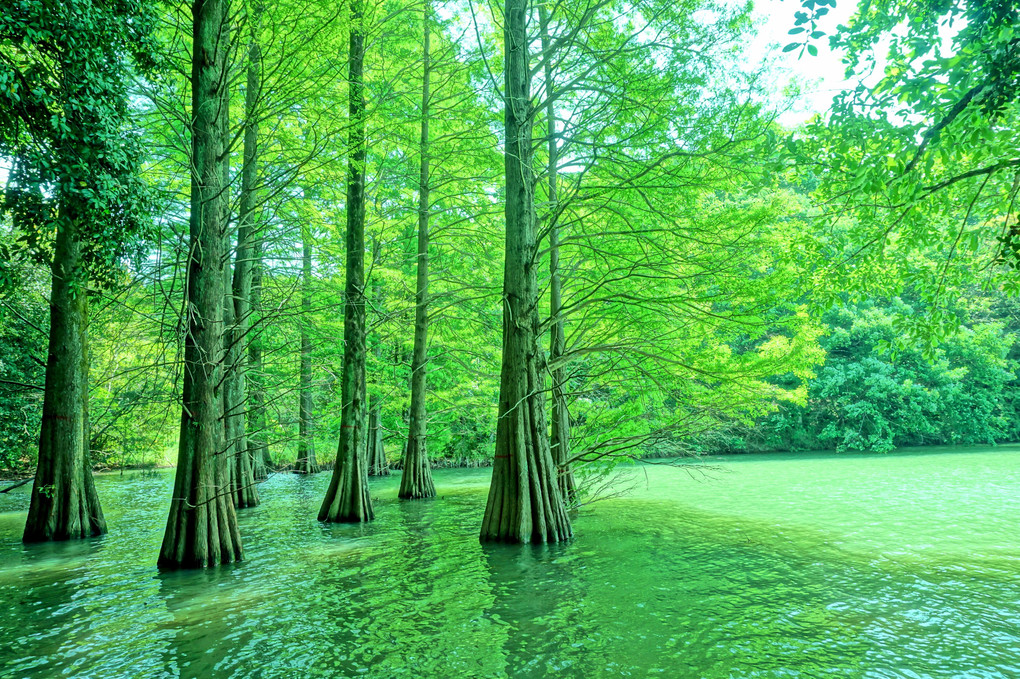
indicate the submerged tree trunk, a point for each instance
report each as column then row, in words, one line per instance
column 305, row 463
column 257, row 422
column 560, row 434
column 237, row 287
column 524, row 503
column 64, row 502
column 249, row 257
column 375, row 453
column 347, row 497
column 202, row 526
column 235, row 312
column 416, row 477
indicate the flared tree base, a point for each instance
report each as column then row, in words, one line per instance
column 416, row 477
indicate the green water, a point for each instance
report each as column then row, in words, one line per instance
column 905, row 565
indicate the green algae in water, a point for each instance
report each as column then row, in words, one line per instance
column 904, row 565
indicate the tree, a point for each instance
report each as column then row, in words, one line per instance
column 557, row 323
column 305, row 463
column 74, row 195
column 202, row 528
column 524, row 503
column 416, row 477
column 347, row 496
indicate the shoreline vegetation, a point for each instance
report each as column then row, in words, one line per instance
column 19, row 479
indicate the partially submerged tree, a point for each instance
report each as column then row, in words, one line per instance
column 416, row 476
column 560, row 436
column 202, row 528
column 74, row 194
column 347, row 497
column 305, row 463
column 524, row 504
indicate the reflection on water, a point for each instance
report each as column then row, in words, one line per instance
column 766, row 566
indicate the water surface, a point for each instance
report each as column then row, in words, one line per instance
column 902, row 565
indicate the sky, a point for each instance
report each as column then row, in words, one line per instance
column 820, row 77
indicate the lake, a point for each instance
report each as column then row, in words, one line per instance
column 898, row 565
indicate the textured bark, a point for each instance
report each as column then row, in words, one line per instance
column 237, row 288
column 64, row 502
column 235, row 312
column 375, row 453
column 524, row 503
column 560, row 439
column 249, row 253
column 347, row 497
column 305, row 463
column 202, row 525
column 257, row 422
column 416, row 477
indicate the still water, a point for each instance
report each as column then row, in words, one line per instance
column 901, row 565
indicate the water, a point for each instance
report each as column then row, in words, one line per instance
column 905, row 565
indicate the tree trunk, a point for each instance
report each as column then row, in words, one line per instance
column 557, row 337
column 249, row 253
column 305, row 463
column 374, row 450
column 202, row 526
column 524, row 503
column 257, row 422
column 64, row 502
column 347, row 497
column 235, row 311
column 237, row 286
column 416, row 477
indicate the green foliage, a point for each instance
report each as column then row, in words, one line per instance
column 23, row 315
column 920, row 156
column 869, row 397
column 64, row 123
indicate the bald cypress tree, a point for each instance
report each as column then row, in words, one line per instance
column 347, row 496
column 557, row 337
column 416, row 477
column 73, row 196
column 202, row 525
column 524, row 503
column 305, row 463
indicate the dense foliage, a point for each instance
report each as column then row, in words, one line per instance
column 694, row 283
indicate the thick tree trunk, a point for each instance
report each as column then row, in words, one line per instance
column 375, row 453
column 64, row 502
column 305, row 463
column 416, row 477
column 202, row 526
column 524, row 503
column 347, row 497
column 557, row 337
column 249, row 253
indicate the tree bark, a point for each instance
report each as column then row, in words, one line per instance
column 347, row 497
column 375, row 452
column 235, row 312
column 64, row 502
column 416, row 477
column 560, row 442
column 305, row 463
column 235, row 301
column 257, row 421
column 247, row 295
column 202, row 525
column 524, row 503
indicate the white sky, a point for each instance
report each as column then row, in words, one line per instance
column 820, row 77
